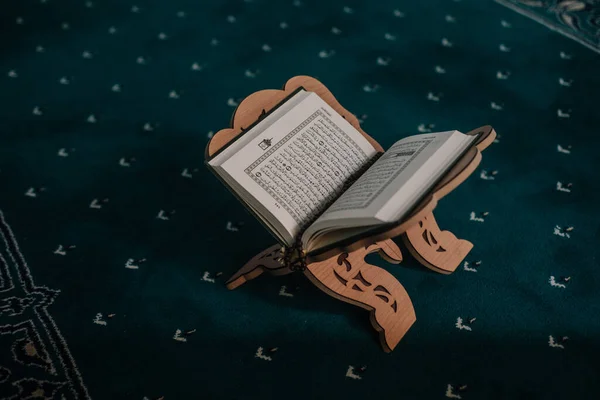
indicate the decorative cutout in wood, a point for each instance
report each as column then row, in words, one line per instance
column 438, row 250
column 349, row 278
column 265, row 261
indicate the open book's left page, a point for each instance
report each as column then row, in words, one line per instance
column 296, row 166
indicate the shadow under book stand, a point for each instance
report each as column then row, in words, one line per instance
column 342, row 272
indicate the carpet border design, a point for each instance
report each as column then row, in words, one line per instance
column 555, row 26
column 43, row 331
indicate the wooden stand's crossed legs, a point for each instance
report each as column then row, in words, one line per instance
column 348, row 278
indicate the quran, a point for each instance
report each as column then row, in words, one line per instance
column 315, row 181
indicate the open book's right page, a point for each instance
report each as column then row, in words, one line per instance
column 394, row 183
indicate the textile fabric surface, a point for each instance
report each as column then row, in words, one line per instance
column 117, row 240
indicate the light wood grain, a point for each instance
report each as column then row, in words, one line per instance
column 438, row 250
column 349, row 278
column 265, row 261
column 251, row 108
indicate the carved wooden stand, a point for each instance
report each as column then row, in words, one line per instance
column 343, row 273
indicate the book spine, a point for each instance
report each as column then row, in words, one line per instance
column 294, row 257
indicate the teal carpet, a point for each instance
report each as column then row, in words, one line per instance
column 117, row 241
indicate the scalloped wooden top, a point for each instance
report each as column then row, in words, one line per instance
column 251, row 108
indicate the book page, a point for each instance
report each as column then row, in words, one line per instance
column 299, row 164
column 377, row 178
column 449, row 147
column 392, row 185
column 270, row 119
column 391, row 171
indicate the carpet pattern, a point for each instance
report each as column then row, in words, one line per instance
column 29, row 332
column 578, row 20
column 117, row 241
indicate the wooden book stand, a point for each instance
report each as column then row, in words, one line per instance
column 342, row 272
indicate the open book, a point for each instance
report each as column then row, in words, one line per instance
column 312, row 178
